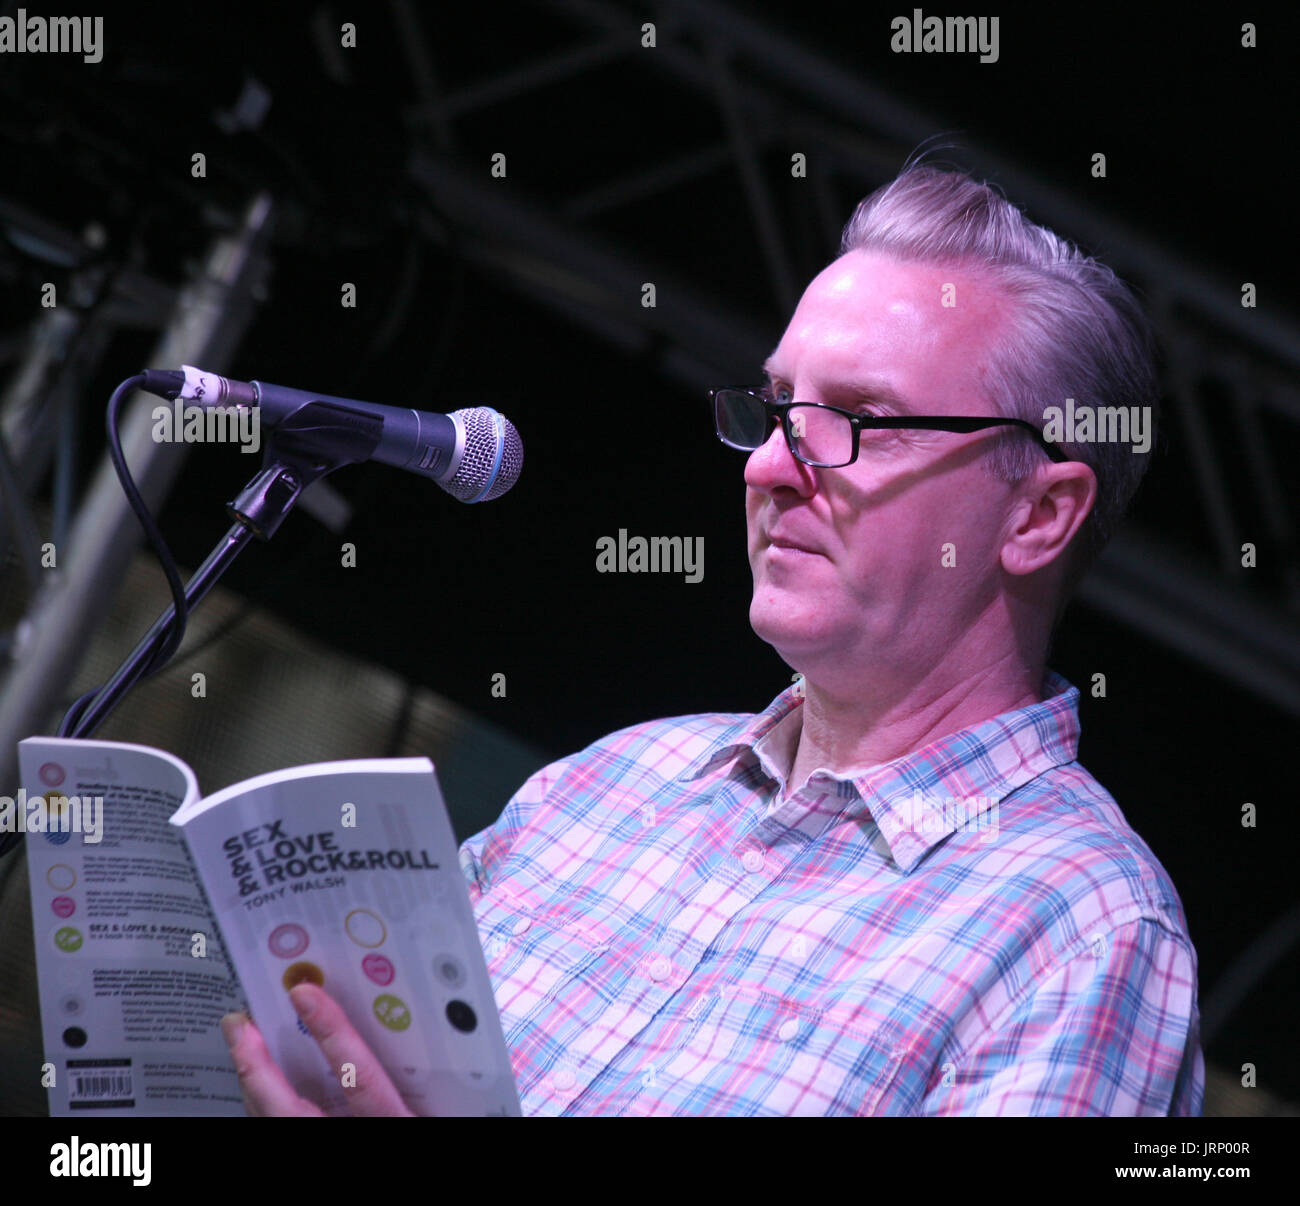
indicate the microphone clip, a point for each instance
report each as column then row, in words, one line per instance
column 315, row 440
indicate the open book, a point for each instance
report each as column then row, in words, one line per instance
column 157, row 911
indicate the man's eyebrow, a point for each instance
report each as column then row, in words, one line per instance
column 873, row 389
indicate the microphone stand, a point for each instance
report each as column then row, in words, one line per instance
column 314, row 441
column 317, row 439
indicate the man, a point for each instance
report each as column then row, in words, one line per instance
column 895, row 891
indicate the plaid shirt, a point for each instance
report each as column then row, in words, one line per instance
column 970, row 929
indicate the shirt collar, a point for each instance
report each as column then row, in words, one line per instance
column 920, row 798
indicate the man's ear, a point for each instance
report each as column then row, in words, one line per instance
column 1048, row 509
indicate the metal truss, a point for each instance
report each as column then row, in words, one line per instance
column 203, row 322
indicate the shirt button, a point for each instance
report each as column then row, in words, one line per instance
column 564, row 1079
column 660, row 969
column 752, row 860
column 789, row 1028
column 520, row 925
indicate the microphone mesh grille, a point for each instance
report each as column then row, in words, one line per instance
column 480, row 455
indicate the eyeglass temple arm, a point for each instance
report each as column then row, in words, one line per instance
column 961, row 423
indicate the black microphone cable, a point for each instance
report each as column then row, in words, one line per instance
column 169, row 640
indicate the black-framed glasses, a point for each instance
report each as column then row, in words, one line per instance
column 825, row 436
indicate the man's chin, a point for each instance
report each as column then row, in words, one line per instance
column 793, row 637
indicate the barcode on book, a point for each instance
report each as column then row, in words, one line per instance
column 100, row 1086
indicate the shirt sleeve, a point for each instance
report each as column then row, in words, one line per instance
column 482, row 854
column 1114, row 1031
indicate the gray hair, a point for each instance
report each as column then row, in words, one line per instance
column 1077, row 330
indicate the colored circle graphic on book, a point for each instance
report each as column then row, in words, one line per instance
column 68, row 938
column 392, row 1012
column 63, row 906
column 302, row 973
column 288, row 941
column 449, row 970
column 54, row 811
column 379, row 968
column 52, row 774
column 365, row 928
column 60, row 877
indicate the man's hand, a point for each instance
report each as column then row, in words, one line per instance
column 267, row 1093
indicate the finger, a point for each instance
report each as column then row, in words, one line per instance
column 266, row 1092
column 369, row 1090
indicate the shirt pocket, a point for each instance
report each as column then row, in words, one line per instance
column 759, row 1053
column 534, row 954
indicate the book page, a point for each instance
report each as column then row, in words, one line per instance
column 133, row 976
column 347, row 874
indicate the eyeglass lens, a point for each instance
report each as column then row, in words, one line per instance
column 819, row 435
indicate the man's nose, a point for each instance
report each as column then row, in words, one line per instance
column 775, row 465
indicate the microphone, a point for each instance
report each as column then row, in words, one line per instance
column 474, row 454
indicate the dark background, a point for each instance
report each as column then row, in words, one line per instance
column 1197, row 134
